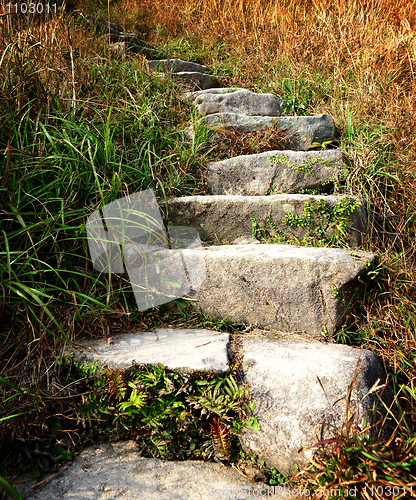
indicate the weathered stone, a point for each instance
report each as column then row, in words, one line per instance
column 300, row 131
column 103, row 23
column 242, row 102
column 175, row 66
column 183, row 350
column 221, row 90
column 222, row 218
column 289, row 172
column 108, row 471
column 145, row 51
column 197, row 80
column 285, row 378
column 135, row 39
column 280, row 287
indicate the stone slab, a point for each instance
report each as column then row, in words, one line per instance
column 242, row 102
column 290, row 402
column 223, row 218
column 289, row 172
column 221, row 90
column 117, row 471
column 198, row 81
column 300, row 132
column 280, row 287
column 184, row 350
column 176, row 66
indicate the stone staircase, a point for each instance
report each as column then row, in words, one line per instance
column 294, row 297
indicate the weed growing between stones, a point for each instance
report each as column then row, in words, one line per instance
column 171, row 415
column 336, row 217
column 330, row 217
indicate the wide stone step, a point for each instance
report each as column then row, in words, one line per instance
column 176, row 66
column 280, row 287
column 296, row 386
column 299, row 132
column 240, row 101
column 277, row 171
column 108, row 471
column 196, row 80
column 221, row 90
column 223, row 218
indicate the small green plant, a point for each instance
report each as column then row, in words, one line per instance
column 328, row 217
column 270, row 190
column 322, row 145
column 325, row 218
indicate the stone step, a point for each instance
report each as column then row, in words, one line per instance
column 285, row 376
column 299, row 132
column 242, row 102
column 222, row 218
column 277, row 171
column 221, row 90
column 280, row 287
column 183, row 350
column 196, row 80
column 107, row 471
column 175, row 66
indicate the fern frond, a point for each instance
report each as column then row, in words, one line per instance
column 221, row 439
column 116, row 384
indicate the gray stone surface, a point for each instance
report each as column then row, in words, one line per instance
column 221, row 218
column 290, row 402
column 221, row 90
column 280, row 287
column 117, row 471
column 299, row 131
column 242, row 102
column 257, row 174
column 197, row 80
column 184, row 350
column 175, row 66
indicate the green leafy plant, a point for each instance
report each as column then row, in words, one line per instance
column 328, row 217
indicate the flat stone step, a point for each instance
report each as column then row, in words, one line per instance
column 222, row 218
column 176, row 66
column 300, row 132
column 196, row 80
column 279, row 287
column 221, row 90
column 183, row 350
column 291, row 405
column 240, row 101
column 108, row 471
column 277, row 171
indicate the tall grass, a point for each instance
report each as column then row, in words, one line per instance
column 80, row 128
